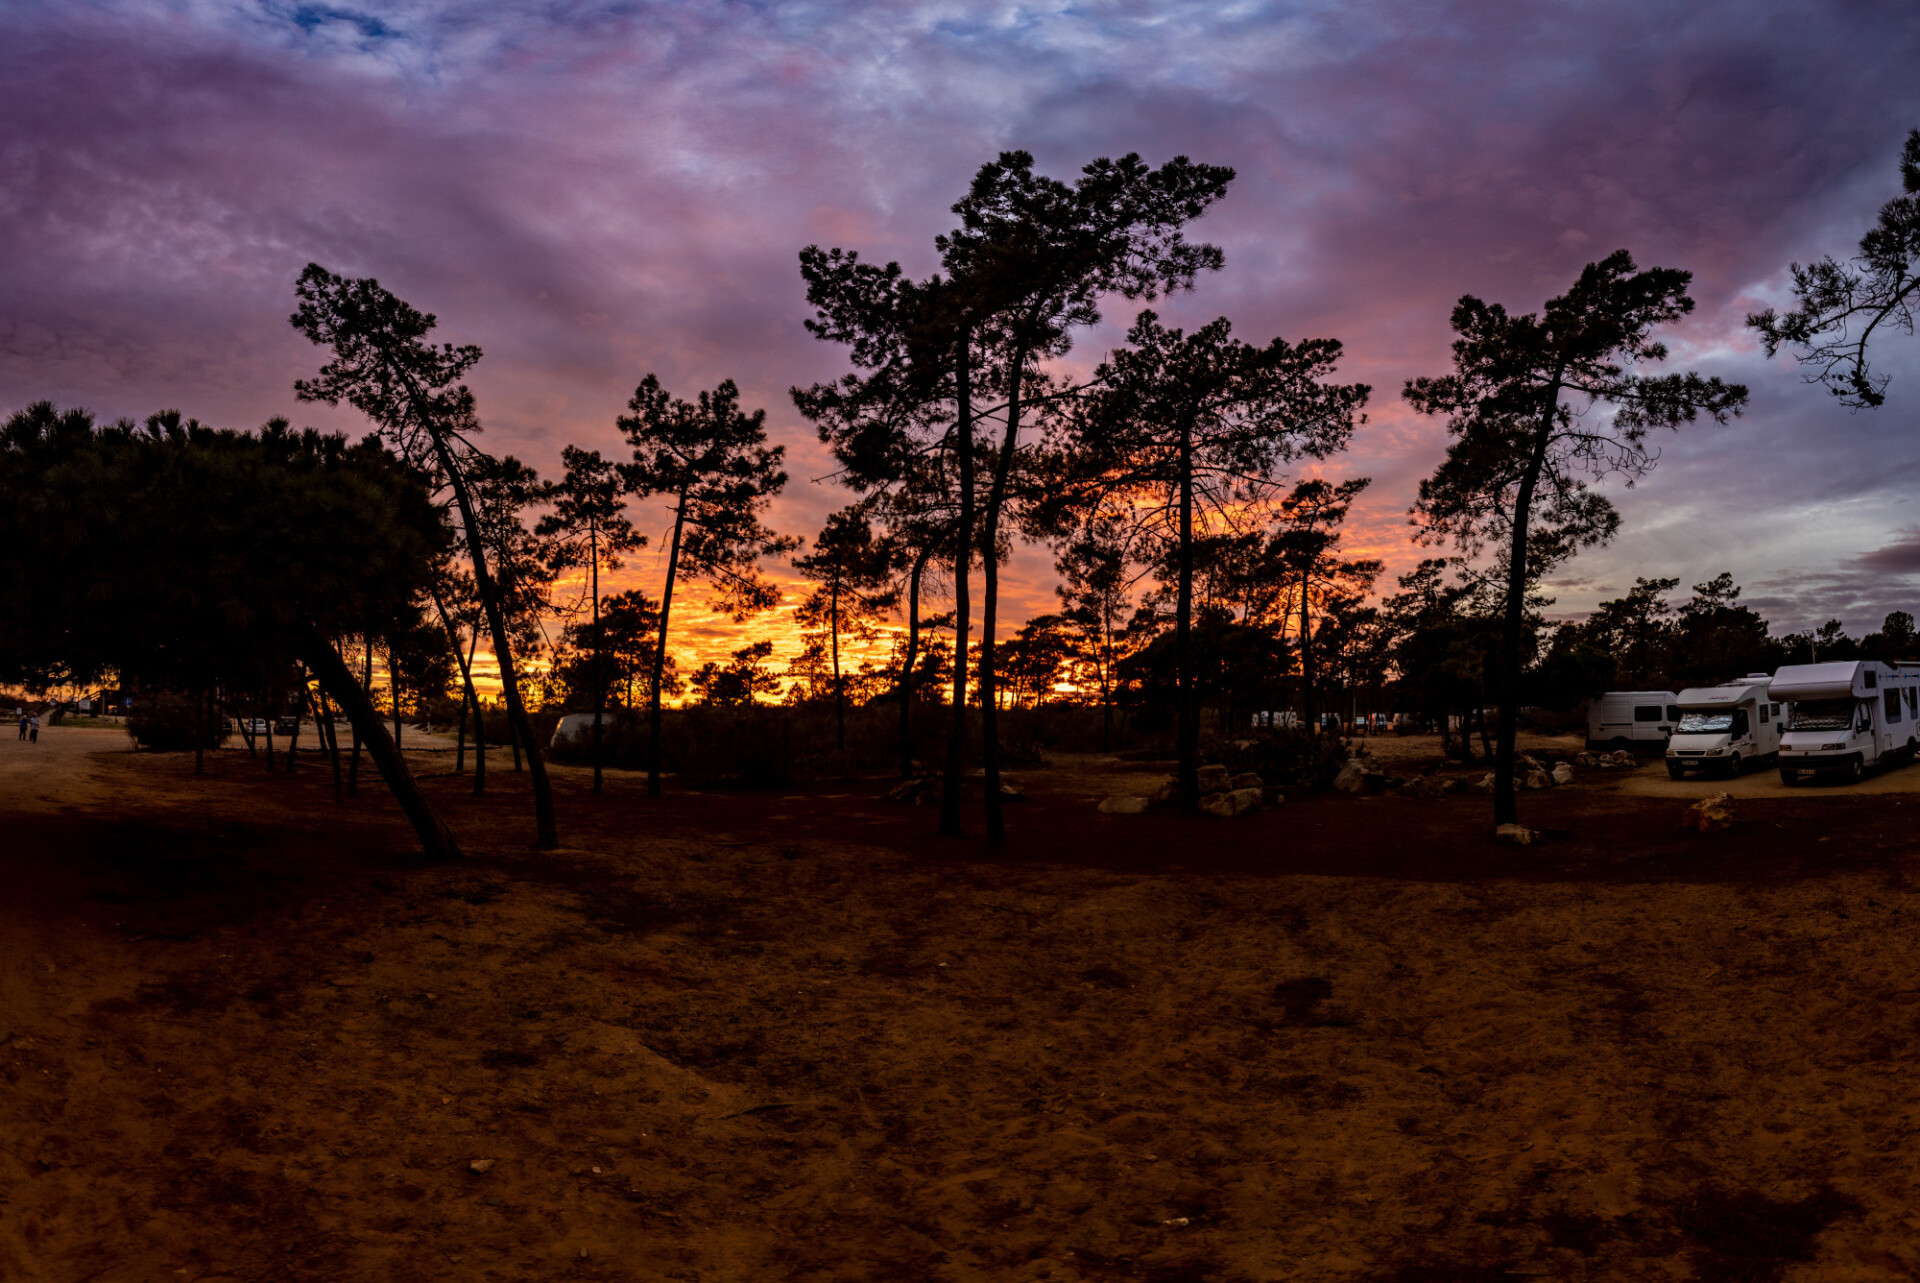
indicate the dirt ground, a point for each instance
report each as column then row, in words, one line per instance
column 246, row 1035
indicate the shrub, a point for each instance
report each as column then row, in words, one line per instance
column 1289, row 757
column 164, row 723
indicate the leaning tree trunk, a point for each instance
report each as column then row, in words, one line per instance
column 953, row 785
column 320, row 656
column 521, row 730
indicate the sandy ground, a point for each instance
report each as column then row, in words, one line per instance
column 245, row 1034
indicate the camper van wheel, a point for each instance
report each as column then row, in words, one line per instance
column 1676, row 770
column 1733, row 766
column 1855, row 769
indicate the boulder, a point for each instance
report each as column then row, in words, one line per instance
column 1123, row 806
column 1231, row 803
column 1538, row 780
column 1622, row 757
column 1167, row 790
column 1456, row 784
column 912, row 790
column 1246, row 780
column 1563, row 774
column 1584, row 760
column 1484, row 784
column 1215, row 779
column 1354, row 777
column 1709, row 814
column 1516, row 835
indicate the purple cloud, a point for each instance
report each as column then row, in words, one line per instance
column 595, row 191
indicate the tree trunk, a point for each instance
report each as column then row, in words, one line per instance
column 906, row 667
column 460, row 739
column 1186, row 719
column 471, row 697
column 599, row 671
column 366, row 689
column 990, row 606
column 201, row 725
column 393, row 684
column 435, row 839
column 1308, row 707
column 545, row 834
column 660, row 646
column 952, row 787
column 1506, row 809
column 293, row 741
column 333, row 744
column 839, row 690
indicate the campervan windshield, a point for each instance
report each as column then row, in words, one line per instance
column 1822, row 715
column 1717, row 721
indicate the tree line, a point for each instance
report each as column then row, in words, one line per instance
column 1182, row 486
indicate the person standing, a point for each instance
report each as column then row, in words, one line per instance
column 23, row 723
column 33, row 729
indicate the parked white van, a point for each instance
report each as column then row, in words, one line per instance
column 1725, row 728
column 1847, row 716
column 1620, row 719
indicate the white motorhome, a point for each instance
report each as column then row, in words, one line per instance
column 1621, row 719
column 1847, row 716
column 1725, row 728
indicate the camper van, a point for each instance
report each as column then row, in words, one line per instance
column 1725, row 728
column 1846, row 716
column 1621, row 719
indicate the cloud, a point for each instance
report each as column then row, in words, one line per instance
column 1901, row 557
column 592, row 191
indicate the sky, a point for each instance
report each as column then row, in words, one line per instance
column 595, row 191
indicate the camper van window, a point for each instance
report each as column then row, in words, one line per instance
column 1893, row 705
column 1713, row 721
column 1673, row 712
column 1647, row 713
column 1763, row 714
column 1873, row 679
column 1776, row 710
column 1912, row 696
column 1821, row 715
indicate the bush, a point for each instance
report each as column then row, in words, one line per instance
column 164, row 723
column 1290, row 757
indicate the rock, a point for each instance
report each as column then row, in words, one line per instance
column 1709, row 814
column 1229, row 804
column 1354, row 777
column 1167, row 790
column 1456, row 784
column 480, row 1166
column 1621, row 757
column 1563, row 774
column 1516, row 835
column 911, row 790
column 1526, row 763
column 1247, row 780
column 1583, row 759
column 1538, row 780
column 1123, row 806
column 1484, row 784
column 1012, row 790
column 1215, row 779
